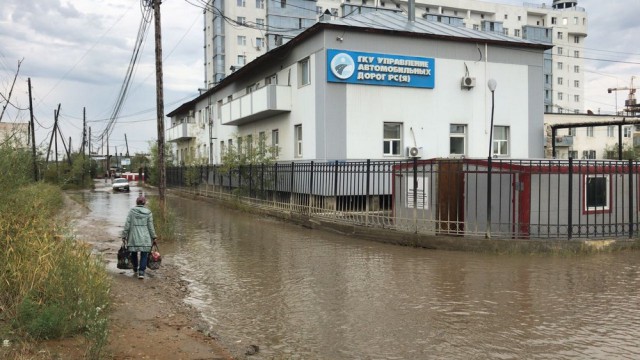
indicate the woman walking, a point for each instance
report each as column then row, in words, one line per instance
column 140, row 235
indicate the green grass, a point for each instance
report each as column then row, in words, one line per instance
column 50, row 284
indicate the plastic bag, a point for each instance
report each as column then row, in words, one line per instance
column 124, row 257
column 154, row 258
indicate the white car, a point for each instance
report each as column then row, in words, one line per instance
column 120, row 184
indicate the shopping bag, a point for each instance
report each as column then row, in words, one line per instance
column 124, row 257
column 154, row 258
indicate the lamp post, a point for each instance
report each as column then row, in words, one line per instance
column 492, row 87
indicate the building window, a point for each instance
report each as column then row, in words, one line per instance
column 576, row 53
column 576, row 83
column 519, row 17
column 262, row 143
column 596, row 192
column 283, row 3
column 260, row 23
column 611, row 130
column 560, row 50
column 249, row 145
column 505, row 31
column 572, row 131
column 559, row 35
column 505, row 16
column 240, row 149
column 271, row 80
column 516, row 32
column 457, row 139
column 275, row 142
column 230, row 145
column 576, row 39
column 560, row 96
column 547, row 79
column 304, row 71
column 501, row 140
column 242, row 40
column 576, row 68
column 392, row 139
column 242, row 59
column 318, row 9
column 626, row 131
column 559, row 81
column 241, row 3
column 589, row 131
column 259, row 4
column 476, row 27
column 576, row 98
column 573, row 154
column 259, row 43
column 241, row 20
column 560, row 65
column 222, row 149
column 297, row 131
column 554, row 21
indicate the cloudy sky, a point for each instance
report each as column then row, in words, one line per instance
column 77, row 53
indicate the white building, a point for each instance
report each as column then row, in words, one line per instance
column 373, row 86
column 239, row 31
column 16, row 134
column 590, row 142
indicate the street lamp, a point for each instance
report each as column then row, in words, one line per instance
column 492, row 87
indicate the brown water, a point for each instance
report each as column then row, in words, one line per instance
column 305, row 294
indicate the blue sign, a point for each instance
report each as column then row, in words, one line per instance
column 355, row 67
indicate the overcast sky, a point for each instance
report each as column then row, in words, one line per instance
column 77, row 53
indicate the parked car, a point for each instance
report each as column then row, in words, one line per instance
column 120, row 184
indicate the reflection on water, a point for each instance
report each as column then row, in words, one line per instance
column 300, row 293
column 306, row 294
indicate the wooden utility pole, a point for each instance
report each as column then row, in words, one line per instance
column 33, row 134
column 84, row 142
column 162, row 183
column 126, row 143
column 55, row 134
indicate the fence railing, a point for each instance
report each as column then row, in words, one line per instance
column 500, row 198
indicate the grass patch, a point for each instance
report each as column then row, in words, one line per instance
column 50, row 284
column 164, row 221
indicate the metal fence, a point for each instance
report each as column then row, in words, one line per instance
column 523, row 199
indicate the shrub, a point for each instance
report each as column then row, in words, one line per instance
column 50, row 285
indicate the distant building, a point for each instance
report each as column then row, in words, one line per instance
column 590, row 142
column 237, row 32
column 14, row 133
column 374, row 86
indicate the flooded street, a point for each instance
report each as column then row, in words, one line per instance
column 305, row 294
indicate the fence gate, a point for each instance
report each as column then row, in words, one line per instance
column 450, row 206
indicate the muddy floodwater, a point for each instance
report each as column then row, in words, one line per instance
column 306, row 294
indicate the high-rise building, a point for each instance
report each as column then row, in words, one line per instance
column 238, row 31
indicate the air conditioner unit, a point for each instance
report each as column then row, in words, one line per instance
column 468, row 82
column 414, row 152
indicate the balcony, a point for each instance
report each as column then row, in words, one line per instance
column 260, row 104
column 564, row 141
column 181, row 132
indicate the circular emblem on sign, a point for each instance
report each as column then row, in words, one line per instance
column 342, row 66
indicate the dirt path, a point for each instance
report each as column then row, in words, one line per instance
column 148, row 318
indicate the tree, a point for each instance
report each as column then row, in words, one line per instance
column 246, row 161
column 629, row 152
column 154, row 170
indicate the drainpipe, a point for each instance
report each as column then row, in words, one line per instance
column 412, row 10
